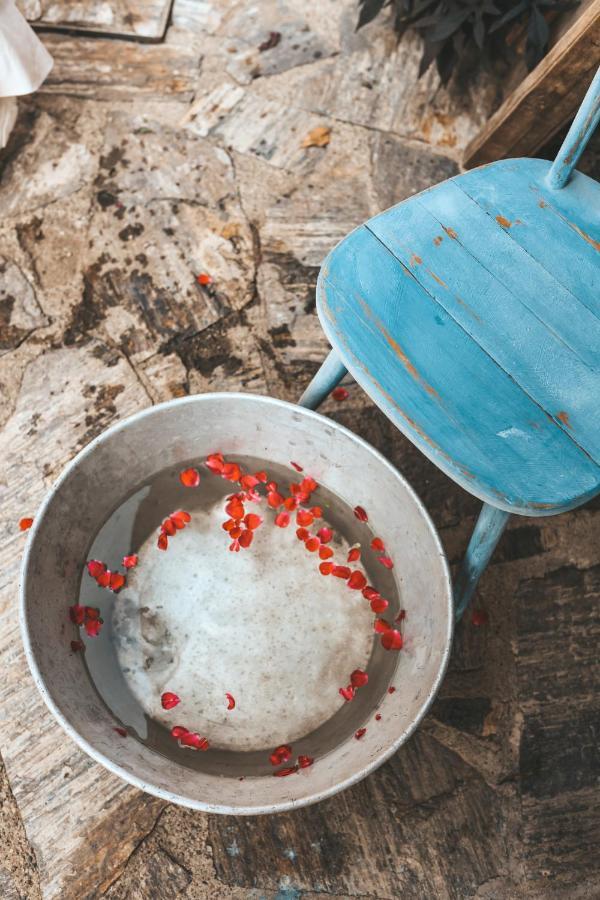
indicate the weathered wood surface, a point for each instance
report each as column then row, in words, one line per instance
column 135, row 19
column 546, row 99
column 115, row 190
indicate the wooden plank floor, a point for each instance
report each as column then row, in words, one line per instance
column 133, row 169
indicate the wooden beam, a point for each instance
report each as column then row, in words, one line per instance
column 546, row 100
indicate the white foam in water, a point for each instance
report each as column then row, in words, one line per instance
column 262, row 624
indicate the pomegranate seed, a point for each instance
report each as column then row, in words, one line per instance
column 296, row 466
column 290, row 503
column 381, row 626
column 325, row 534
column 357, row 581
column 392, row 640
column 341, row 572
column 317, row 512
column 168, row 527
column 235, row 532
column 163, row 542
column 25, row 523
column 325, row 552
column 281, row 773
column 479, row 617
column 96, row 568
column 312, row 544
column 246, row 538
column 230, row 701
column 282, row 519
column 232, row 472
column 347, row 693
column 235, row 508
column 386, row 561
column 178, row 731
column 103, row 580
column 281, row 754
column 359, row 678
column 190, row 478
column 305, row 761
column 302, row 534
column 116, row 581
column 130, row 561
column 326, row 568
column 339, row 394
column 77, row 614
column 92, row 627
column 308, row 484
column 252, row 521
column 120, row 730
column 378, row 717
column 204, row 278
column 274, row 499
column 193, row 739
column 370, row 593
column 271, row 486
column 92, row 612
column 354, row 554
column 360, row 733
column 379, row 605
column 249, row 481
column 378, row 545
column 401, row 616
column 169, row 700
column 391, row 690
column 215, row 462
column 77, row 645
column 180, row 516
column 304, row 517
column 360, row 514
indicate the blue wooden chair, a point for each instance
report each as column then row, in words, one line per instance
column 470, row 314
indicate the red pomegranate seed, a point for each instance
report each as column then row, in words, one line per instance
column 479, row 617
column 103, row 580
column 359, row 678
column 378, row 545
column 317, row 512
column 281, row 754
column 235, row 532
column 130, row 561
column 325, row 552
column 326, row 568
column 182, row 516
column 249, row 481
column 305, row 761
column 296, row 466
column 358, row 734
column 116, row 581
column 325, row 534
column 190, row 478
column 271, row 486
column 120, row 730
column 163, row 541
column 246, row 538
column 77, row 645
column 92, row 612
column 308, row 484
column 252, row 521
column 178, row 731
column 339, row 394
column 361, row 514
column 381, row 626
column 302, row 534
column 193, row 739
column 401, row 616
column 25, row 523
column 92, row 627
column 378, row 717
column 347, row 693
column 96, row 568
column 379, row 605
column 304, row 517
column 392, row 640
column 169, row 700
column 204, row 278
column 232, row 472
column 281, row 773
column 341, row 572
column 386, row 561
column 391, row 690
column 312, row 544
column 77, row 614
column 215, row 462
column 357, row 581
column 230, row 701
column 353, row 554
column 235, row 508
column 177, row 521
column 274, row 499
column 168, row 527
column 282, row 519
column 369, row 593
column 290, row 503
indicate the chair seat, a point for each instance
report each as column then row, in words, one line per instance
column 470, row 314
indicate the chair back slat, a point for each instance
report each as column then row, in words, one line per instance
column 584, row 125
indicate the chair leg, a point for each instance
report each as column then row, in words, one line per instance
column 486, row 534
column 331, row 373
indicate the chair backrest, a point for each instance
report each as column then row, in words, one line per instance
column 584, row 125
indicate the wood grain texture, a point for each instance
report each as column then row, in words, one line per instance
column 546, row 99
column 144, row 20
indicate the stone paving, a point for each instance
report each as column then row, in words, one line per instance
column 134, row 168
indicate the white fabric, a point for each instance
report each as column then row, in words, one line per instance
column 24, row 61
column 8, row 116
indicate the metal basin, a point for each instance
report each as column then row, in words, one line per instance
column 109, row 469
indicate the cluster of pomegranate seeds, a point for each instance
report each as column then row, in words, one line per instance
column 283, row 754
column 391, row 638
column 170, row 526
column 230, row 701
column 25, row 523
column 103, row 577
column 188, row 738
column 190, row 478
column 340, row 393
column 88, row 617
column 169, row 700
column 358, row 679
